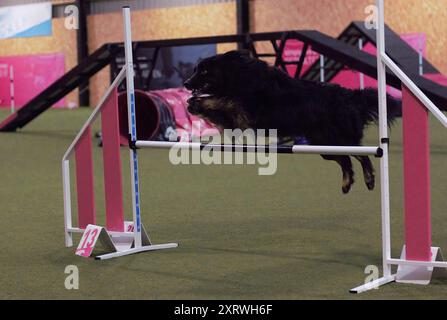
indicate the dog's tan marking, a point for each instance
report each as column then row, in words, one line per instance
column 348, row 176
column 346, row 181
column 234, row 111
column 368, row 171
column 211, row 103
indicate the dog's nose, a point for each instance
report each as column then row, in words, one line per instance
column 187, row 84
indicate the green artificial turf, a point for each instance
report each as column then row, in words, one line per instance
column 292, row 235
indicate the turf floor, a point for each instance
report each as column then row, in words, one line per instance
column 292, row 235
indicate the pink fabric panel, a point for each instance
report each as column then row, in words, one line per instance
column 32, row 75
column 416, row 178
column 84, row 180
column 113, row 185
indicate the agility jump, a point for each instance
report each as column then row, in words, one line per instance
column 123, row 238
column 418, row 257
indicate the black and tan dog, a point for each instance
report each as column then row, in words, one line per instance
column 233, row 90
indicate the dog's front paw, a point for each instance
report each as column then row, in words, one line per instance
column 370, row 181
column 347, row 184
column 346, row 189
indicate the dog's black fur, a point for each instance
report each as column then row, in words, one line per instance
column 233, row 90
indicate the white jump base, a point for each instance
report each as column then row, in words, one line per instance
column 153, row 247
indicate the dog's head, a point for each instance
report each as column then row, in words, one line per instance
column 227, row 75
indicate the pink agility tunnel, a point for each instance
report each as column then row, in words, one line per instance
column 154, row 108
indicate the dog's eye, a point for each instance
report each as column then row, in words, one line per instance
column 204, row 72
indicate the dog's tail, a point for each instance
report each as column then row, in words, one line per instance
column 369, row 102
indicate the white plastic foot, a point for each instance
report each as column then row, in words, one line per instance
column 373, row 284
column 417, row 274
column 137, row 250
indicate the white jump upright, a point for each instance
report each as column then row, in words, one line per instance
column 418, row 257
column 119, row 237
column 139, row 244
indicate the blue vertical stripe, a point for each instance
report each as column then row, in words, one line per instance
column 135, row 162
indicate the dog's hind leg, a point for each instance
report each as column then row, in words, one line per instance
column 346, row 167
column 368, row 171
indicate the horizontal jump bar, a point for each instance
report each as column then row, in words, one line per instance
column 323, row 150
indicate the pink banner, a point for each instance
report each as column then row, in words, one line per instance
column 418, row 41
column 31, row 75
column 349, row 78
column 292, row 52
